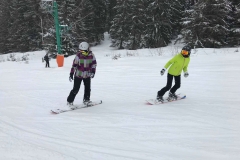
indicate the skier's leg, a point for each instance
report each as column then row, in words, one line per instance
column 177, row 84
column 87, row 88
column 167, row 87
column 74, row 91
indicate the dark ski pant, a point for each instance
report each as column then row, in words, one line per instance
column 76, row 87
column 47, row 64
column 169, row 84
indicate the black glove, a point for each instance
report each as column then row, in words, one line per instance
column 92, row 75
column 71, row 77
column 162, row 71
column 186, row 74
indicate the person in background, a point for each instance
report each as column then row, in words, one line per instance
column 83, row 69
column 177, row 64
column 46, row 58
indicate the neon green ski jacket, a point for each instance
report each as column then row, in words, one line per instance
column 178, row 63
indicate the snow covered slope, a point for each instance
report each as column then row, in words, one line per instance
column 206, row 125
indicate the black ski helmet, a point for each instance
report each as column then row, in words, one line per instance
column 187, row 48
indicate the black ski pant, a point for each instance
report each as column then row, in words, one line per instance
column 169, row 84
column 76, row 87
column 47, row 64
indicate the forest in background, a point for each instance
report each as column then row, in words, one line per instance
column 132, row 24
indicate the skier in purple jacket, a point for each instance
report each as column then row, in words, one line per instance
column 83, row 69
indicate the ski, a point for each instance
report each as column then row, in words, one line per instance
column 94, row 103
column 154, row 102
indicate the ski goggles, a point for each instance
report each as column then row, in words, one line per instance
column 85, row 53
column 184, row 52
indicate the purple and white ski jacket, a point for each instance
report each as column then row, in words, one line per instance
column 83, row 66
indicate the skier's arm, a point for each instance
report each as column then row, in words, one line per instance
column 171, row 61
column 74, row 65
column 94, row 64
column 185, row 68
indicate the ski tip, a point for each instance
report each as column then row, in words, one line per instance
column 150, row 102
column 147, row 103
column 54, row 112
column 184, row 97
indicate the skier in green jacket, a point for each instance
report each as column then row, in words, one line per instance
column 177, row 64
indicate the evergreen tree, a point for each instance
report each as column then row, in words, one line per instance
column 163, row 20
column 100, row 17
column 48, row 34
column 110, row 12
column 34, row 25
column 132, row 24
column 119, row 29
column 176, row 10
column 89, row 21
column 207, row 25
column 85, row 22
column 66, row 19
column 136, row 25
column 67, row 11
column 4, row 25
column 25, row 33
column 234, row 36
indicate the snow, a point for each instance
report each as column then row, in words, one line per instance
column 205, row 125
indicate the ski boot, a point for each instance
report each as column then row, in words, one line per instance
column 70, row 105
column 86, row 102
column 172, row 97
column 159, row 99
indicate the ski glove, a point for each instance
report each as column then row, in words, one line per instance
column 71, row 77
column 186, row 74
column 162, row 71
column 92, row 75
